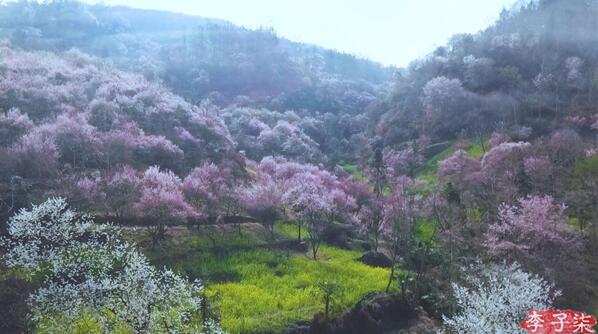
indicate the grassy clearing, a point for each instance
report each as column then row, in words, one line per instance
column 428, row 172
column 275, row 291
column 354, row 171
column 475, row 151
column 259, row 289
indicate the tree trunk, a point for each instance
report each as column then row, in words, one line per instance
column 392, row 273
column 272, row 232
column 314, row 249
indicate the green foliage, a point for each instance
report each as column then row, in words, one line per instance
column 586, row 168
column 87, row 323
column 425, row 230
column 272, row 288
column 286, row 229
column 428, row 172
column 354, row 171
column 475, row 150
column 329, row 292
column 573, row 222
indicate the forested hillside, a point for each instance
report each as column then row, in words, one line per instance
column 527, row 74
column 161, row 172
column 202, row 59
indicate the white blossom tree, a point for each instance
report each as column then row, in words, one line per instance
column 495, row 299
column 88, row 269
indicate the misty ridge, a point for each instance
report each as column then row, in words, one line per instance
column 168, row 173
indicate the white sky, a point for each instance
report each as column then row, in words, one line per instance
column 393, row 32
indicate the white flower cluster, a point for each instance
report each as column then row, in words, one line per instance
column 88, row 266
column 497, row 298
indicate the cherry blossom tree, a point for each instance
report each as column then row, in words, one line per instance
column 370, row 220
column 13, row 124
column 288, row 139
column 309, row 200
column 504, row 173
column 282, row 171
column 263, row 200
column 116, row 193
column 316, row 198
column 35, row 156
column 80, row 103
column 210, row 190
column 407, row 160
column 539, row 171
column 563, row 148
column 401, row 210
column 497, row 138
column 128, row 143
column 78, row 142
column 533, row 232
column 499, row 177
column 205, row 188
column 462, row 171
column 162, row 202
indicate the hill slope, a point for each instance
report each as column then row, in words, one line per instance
column 534, row 68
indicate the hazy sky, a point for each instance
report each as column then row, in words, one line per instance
column 389, row 31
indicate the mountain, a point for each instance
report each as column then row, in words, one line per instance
column 529, row 72
column 206, row 59
column 211, row 55
column 459, row 184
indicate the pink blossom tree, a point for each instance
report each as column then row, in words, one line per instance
column 128, row 143
column 497, row 138
column 401, row 210
column 533, row 232
column 263, row 199
column 407, row 160
column 460, row 169
column 309, row 200
column 503, row 171
column 210, row 190
column 563, row 148
column 282, row 171
column 317, row 199
column 35, row 155
column 78, row 142
column 116, row 193
column 370, row 220
column 288, row 139
column 539, row 171
column 206, row 186
column 13, row 124
column 162, row 202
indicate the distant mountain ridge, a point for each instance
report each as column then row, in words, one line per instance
column 255, row 63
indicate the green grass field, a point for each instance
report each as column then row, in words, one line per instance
column 260, row 289
column 355, row 172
